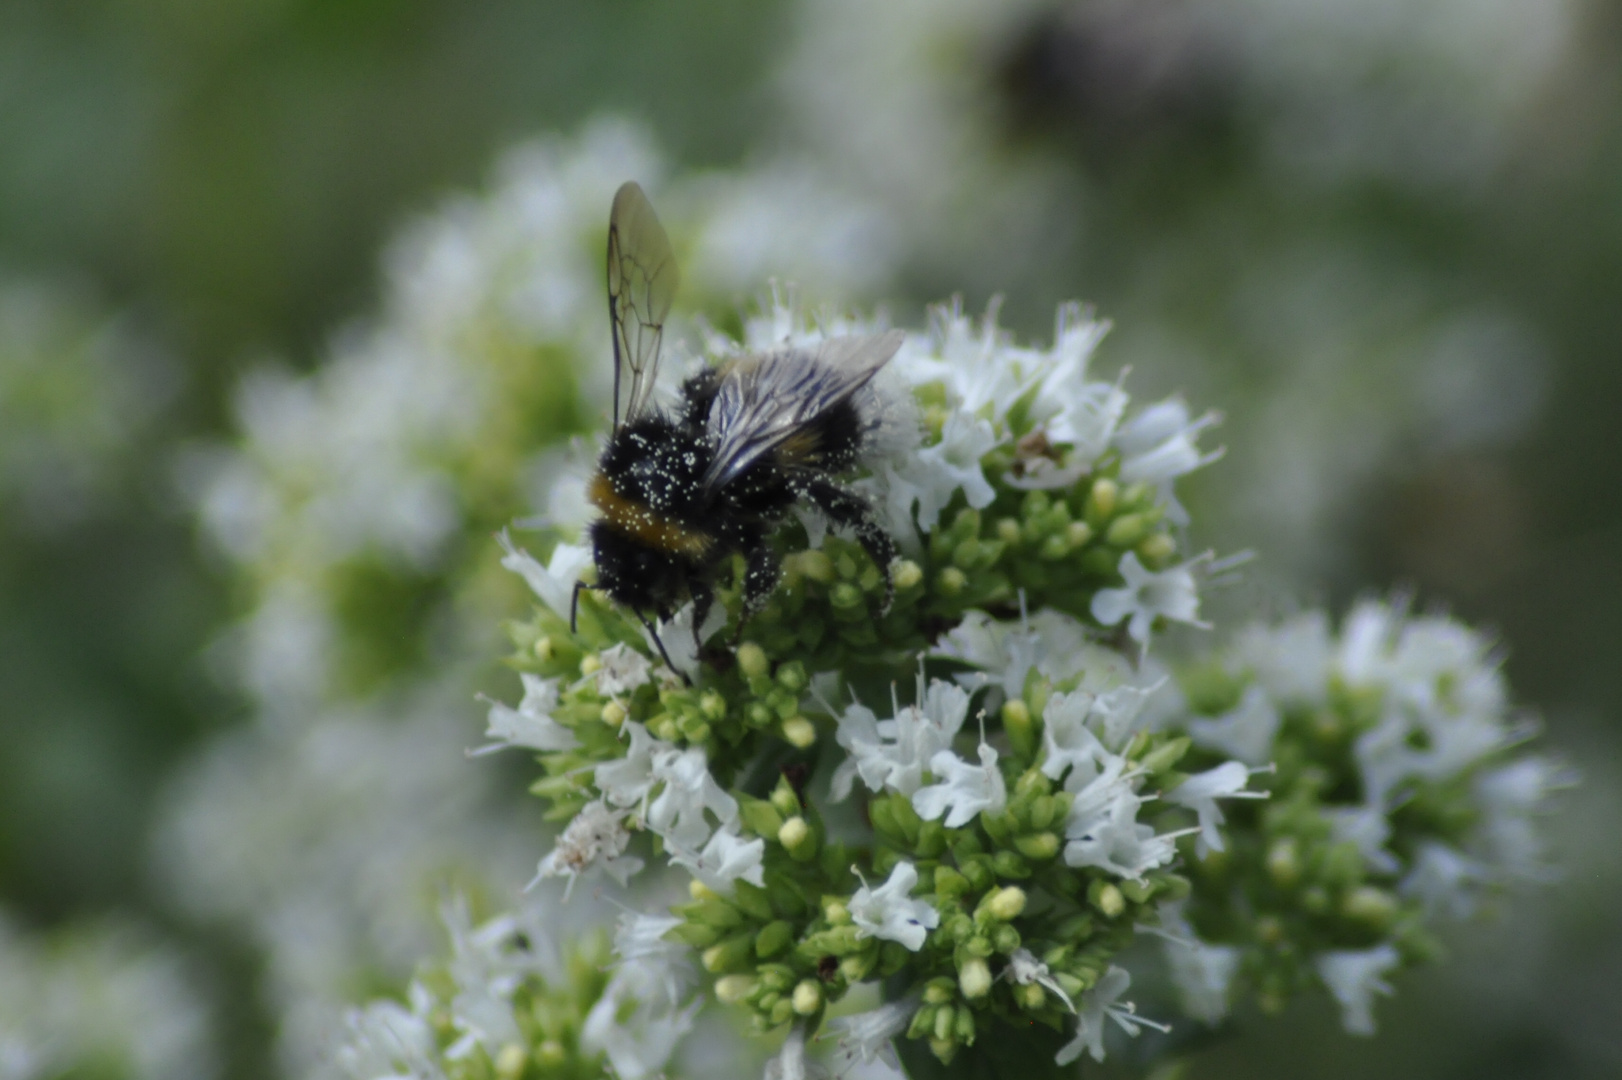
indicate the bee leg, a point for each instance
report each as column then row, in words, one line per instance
column 852, row 511
column 703, row 597
column 654, row 634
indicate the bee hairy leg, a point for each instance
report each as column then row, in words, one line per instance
column 574, row 607
column 660, row 645
column 852, row 511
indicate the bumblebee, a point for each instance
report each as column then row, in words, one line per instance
column 683, row 491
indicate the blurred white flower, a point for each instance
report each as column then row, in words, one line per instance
column 1244, row 733
column 1201, row 791
column 1147, row 596
column 530, row 725
column 1354, row 977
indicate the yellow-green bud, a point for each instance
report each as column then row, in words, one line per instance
column 589, row 663
column 1032, row 997
column 938, row 992
column 551, row 1055
column 1284, row 862
column 1016, row 720
column 613, row 714
column 952, row 581
column 700, row 891
column 1008, row 531
column 1157, row 548
column 797, row 837
column 510, row 1061
column 799, row 732
column 1077, row 533
column 731, row 989
column 907, row 574
column 1006, row 903
column 1040, row 846
column 1369, row 905
column 1126, row 530
column 815, row 565
column 543, row 647
column 807, row 997
column 974, row 978
column 834, row 910
column 1103, row 497
column 1107, row 899
column 752, row 660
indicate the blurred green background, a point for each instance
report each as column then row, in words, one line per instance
column 1318, row 223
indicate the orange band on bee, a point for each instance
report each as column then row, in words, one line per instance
column 640, row 523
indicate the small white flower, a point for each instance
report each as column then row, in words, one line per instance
column 1245, row 733
column 1368, row 828
column 1098, row 1005
column 1102, row 829
column 677, row 813
column 623, row 670
column 1157, row 445
column 1291, row 661
column 869, row 1036
column 887, row 912
column 893, row 754
column 1067, row 741
column 639, row 1019
column 1511, row 796
column 1444, row 880
column 1024, row 968
column 628, row 781
column 385, row 1041
column 928, row 478
column 1201, row 791
column 1204, row 975
column 966, row 790
column 726, row 858
column 677, row 636
column 1354, row 977
column 530, row 725
column 654, row 966
column 1168, row 594
column 790, row 1062
column 595, row 839
column 554, row 583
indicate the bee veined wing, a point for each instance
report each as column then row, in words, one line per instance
column 765, row 399
column 642, row 279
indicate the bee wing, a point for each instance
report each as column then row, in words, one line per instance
column 642, row 279
column 765, row 399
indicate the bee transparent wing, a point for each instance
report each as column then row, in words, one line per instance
column 765, row 399
column 642, row 280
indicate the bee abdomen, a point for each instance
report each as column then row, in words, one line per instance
column 639, row 522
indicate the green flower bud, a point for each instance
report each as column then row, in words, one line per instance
column 799, row 732
column 974, row 979
column 510, row 1062
column 798, row 838
column 1010, row 864
column 963, row 1025
column 950, row 884
column 951, row 581
column 782, row 1012
column 813, row 564
column 1016, row 720
column 1370, row 906
column 1163, row 757
column 1156, row 549
column 613, row 714
column 1101, row 500
column 943, row 1049
column 1039, row 846
column 907, row 575
column 1030, row 997
column 792, row 677
column 807, row 997
column 773, row 938
column 1008, row 530
column 1137, row 891
column 1005, row 904
column 944, row 1016
column 1077, row 533
column 752, row 660
column 847, row 595
column 759, row 816
column 730, row 954
column 1106, row 898
column 1005, row 938
column 923, row 1020
column 939, row 991
column 1126, row 530
column 731, row 989
column 858, row 966
column 1284, row 862
column 784, row 799
column 589, row 664
column 834, row 910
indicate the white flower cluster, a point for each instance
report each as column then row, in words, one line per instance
column 102, row 999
